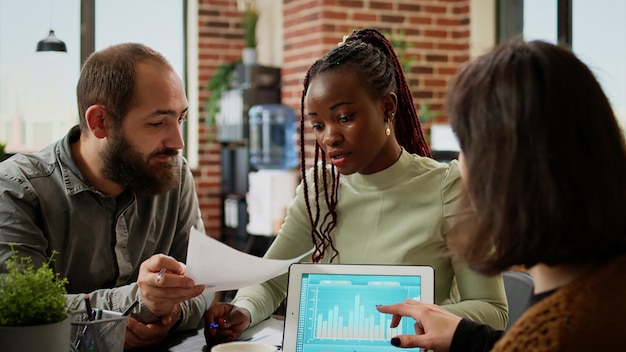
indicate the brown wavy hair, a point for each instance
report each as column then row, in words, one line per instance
column 546, row 162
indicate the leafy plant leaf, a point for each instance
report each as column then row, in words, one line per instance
column 220, row 82
column 30, row 296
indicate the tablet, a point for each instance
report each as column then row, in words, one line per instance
column 332, row 307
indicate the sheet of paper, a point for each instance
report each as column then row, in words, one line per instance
column 269, row 331
column 220, row 267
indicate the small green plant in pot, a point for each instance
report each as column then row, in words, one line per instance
column 33, row 307
column 249, row 19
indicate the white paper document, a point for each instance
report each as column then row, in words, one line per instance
column 220, row 267
column 268, row 331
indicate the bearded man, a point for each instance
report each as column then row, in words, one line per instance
column 114, row 198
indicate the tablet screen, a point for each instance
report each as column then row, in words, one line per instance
column 337, row 311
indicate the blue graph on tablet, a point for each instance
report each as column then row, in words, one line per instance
column 338, row 312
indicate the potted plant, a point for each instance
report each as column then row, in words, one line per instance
column 2, row 153
column 221, row 81
column 33, row 307
column 249, row 19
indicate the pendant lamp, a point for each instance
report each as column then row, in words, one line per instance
column 51, row 43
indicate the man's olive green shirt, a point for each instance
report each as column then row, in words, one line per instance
column 47, row 205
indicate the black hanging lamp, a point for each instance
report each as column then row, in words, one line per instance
column 51, row 43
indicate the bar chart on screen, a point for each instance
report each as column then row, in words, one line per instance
column 358, row 325
column 343, row 309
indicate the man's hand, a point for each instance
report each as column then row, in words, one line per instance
column 139, row 334
column 162, row 292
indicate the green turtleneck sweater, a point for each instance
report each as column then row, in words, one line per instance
column 399, row 215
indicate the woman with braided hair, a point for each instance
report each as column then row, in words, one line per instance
column 373, row 194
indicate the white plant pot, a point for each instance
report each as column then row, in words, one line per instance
column 248, row 56
column 50, row 337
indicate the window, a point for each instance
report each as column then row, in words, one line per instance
column 37, row 89
column 596, row 32
column 37, row 100
column 158, row 24
column 598, row 38
column 540, row 20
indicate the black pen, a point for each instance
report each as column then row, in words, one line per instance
column 88, row 308
column 130, row 309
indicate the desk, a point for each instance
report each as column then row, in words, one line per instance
column 269, row 331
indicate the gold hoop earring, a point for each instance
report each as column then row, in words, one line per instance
column 388, row 131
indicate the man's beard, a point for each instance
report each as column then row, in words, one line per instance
column 124, row 165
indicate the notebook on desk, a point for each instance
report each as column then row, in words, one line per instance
column 332, row 307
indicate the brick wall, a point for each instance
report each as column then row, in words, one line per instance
column 437, row 30
column 220, row 40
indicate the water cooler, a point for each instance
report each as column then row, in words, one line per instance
column 272, row 137
column 272, row 147
column 253, row 85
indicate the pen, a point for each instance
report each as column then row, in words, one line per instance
column 130, row 309
column 88, row 308
column 160, row 274
column 213, row 326
column 85, row 334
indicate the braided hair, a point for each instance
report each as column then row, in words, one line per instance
column 371, row 55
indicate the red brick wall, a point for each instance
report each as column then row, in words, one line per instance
column 438, row 31
column 220, row 40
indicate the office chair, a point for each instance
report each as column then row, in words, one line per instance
column 519, row 290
